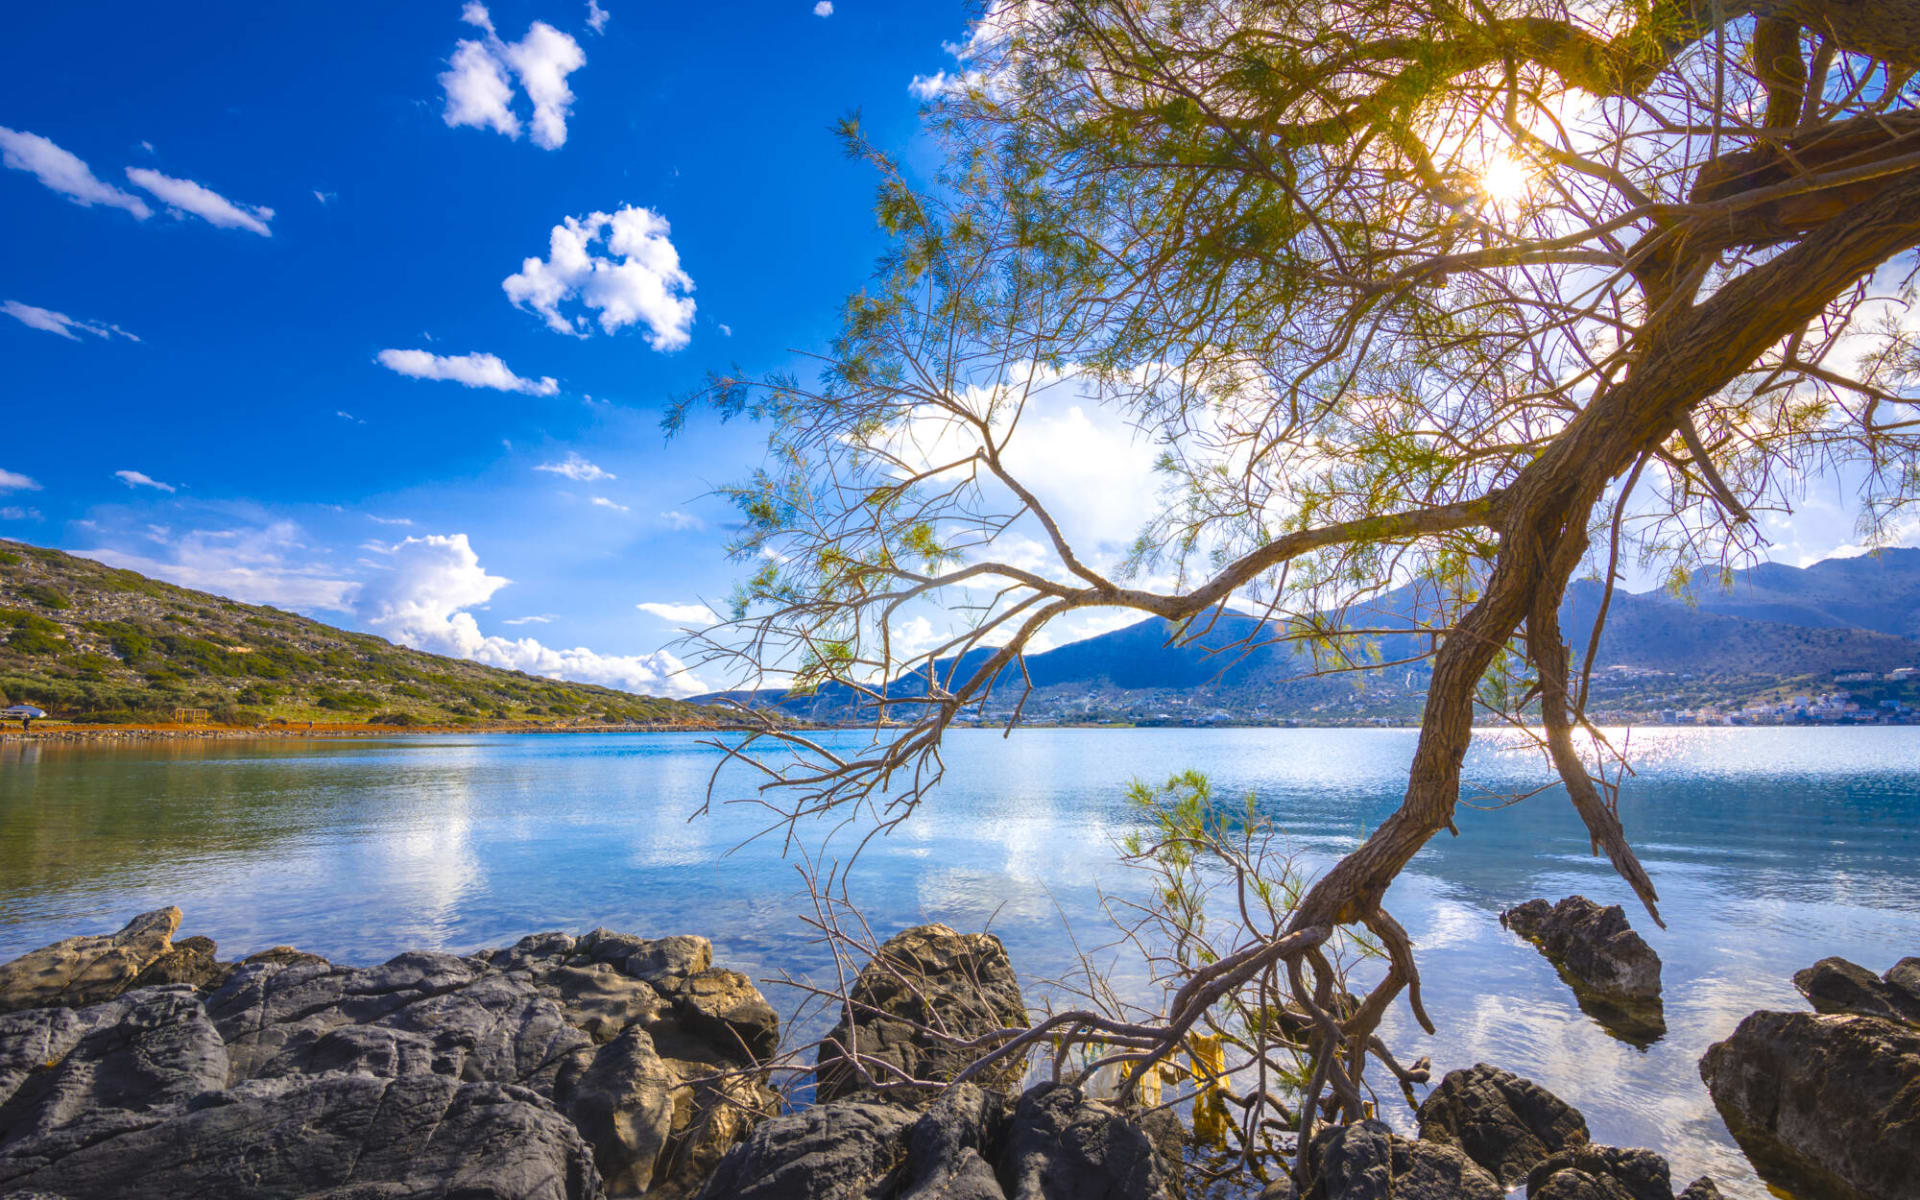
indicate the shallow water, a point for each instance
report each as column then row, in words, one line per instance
column 1771, row 848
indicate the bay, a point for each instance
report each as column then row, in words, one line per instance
column 1771, row 848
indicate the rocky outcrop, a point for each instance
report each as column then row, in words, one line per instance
column 1610, row 1173
column 557, row 1067
column 86, row 970
column 926, row 987
column 1368, row 1161
column 1614, row 974
column 1502, row 1122
column 1053, row 1143
column 1834, row 985
column 1823, row 1104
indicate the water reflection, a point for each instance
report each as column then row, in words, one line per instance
column 1771, row 849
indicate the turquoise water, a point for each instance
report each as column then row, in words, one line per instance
column 1771, row 848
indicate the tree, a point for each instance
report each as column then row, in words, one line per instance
column 1405, row 290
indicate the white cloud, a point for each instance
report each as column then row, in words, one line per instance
column 597, row 17
column 726, row 331
column 680, row 614
column 639, row 280
column 63, row 172
column 185, row 196
column 576, row 468
column 479, row 93
column 542, row 619
column 473, row 370
column 14, row 481
column 603, row 502
column 14, row 512
column 325, row 198
column 59, row 322
column 140, row 479
column 676, row 519
column 422, row 601
column 256, row 565
column 389, row 520
column 823, row 9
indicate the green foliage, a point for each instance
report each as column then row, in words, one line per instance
column 45, row 597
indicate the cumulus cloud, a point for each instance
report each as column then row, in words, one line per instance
column 472, row 370
column 265, row 565
column 421, row 601
column 480, row 94
column 140, row 479
column 64, row 172
column 638, row 280
column 183, row 196
column 823, row 9
column 576, row 468
column 680, row 614
column 59, row 322
column 597, row 17
column 14, row 481
column 676, row 519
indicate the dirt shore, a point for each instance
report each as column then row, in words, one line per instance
column 301, row 730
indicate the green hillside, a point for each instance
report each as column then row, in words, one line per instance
column 91, row 643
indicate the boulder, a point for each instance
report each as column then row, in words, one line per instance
column 1054, row 1143
column 623, row 1104
column 1601, row 1173
column 1834, row 985
column 1823, row 1105
column 87, row 970
column 1504, row 1123
column 191, row 961
column 926, row 987
column 1368, row 1161
column 730, row 1012
column 415, row 1138
column 1614, row 974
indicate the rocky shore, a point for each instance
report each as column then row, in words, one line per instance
column 610, row 1065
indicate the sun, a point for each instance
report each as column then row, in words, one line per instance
column 1505, row 178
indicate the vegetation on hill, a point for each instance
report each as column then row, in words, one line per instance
column 92, row 643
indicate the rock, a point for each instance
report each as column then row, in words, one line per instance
column 285, row 956
column 969, row 1144
column 839, row 1151
column 191, row 961
column 1703, row 1188
column 1601, row 1173
column 1504, row 1123
column 1823, row 1105
column 623, row 1105
column 1834, row 985
column 87, row 970
column 1614, row 974
column 668, row 962
column 1062, row 1144
column 1367, row 1161
column 420, row 1137
column 925, row 981
column 726, row 1007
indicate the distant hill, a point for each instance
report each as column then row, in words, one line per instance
column 1775, row 629
column 90, row 642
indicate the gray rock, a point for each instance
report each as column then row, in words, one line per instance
column 87, row 970
column 733, row 1015
column 1834, row 985
column 951, row 1148
column 623, row 1104
column 1703, row 1188
column 191, row 961
column 840, row 1151
column 1063, row 1146
column 1823, row 1105
column 1601, row 1173
column 336, row 1136
column 1504, row 1123
column 1367, row 1161
column 926, row 982
column 1594, row 944
column 669, row 962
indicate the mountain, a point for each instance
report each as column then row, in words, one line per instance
column 93, row 643
column 1773, row 630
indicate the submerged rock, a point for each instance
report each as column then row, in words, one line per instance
column 1823, row 1104
column 1614, row 974
column 1504, row 1123
column 536, row 1071
column 1368, row 1161
column 1054, row 1143
column 87, row 970
column 925, row 982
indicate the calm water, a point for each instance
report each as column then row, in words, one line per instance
column 1771, row 848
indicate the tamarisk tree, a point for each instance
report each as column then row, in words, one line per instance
column 1474, row 295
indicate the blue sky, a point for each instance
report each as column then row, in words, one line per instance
column 367, row 183
column 372, row 314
